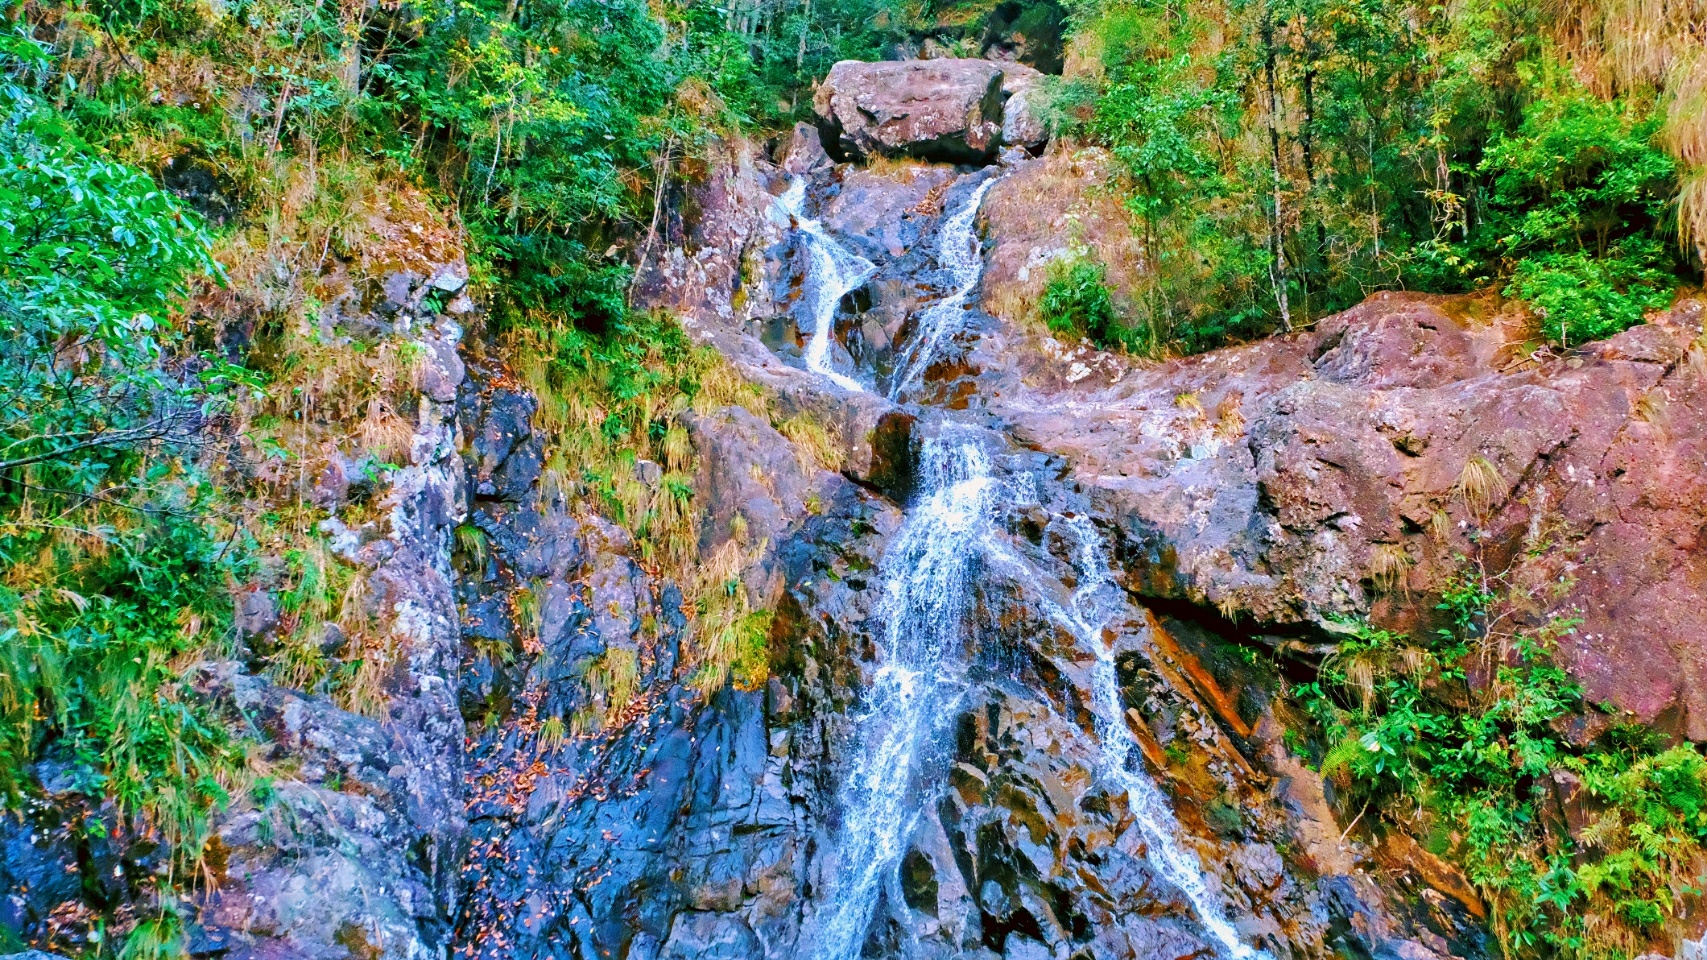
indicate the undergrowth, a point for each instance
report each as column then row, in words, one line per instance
column 116, row 554
column 1077, row 300
column 614, row 406
column 1280, row 162
column 1580, row 849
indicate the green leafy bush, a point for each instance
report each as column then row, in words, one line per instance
column 113, row 571
column 1579, row 194
column 1581, row 297
column 1077, row 301
column 94, row 259
column 1474, row 765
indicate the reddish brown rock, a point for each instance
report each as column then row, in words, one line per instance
column 1040, row 212
column 1022, row 114
column 937, row 109
column 1344, row 471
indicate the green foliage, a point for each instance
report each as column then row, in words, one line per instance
column 94, row 257
column 1077, row 301
column 1579, row 193
column 538, row 118
column 157, row 938
column 1580, row 297
column 113, row 573
column 99, row 625
column 549, row 124
column 1578, row 174
column 1284, row 158
column 1472, row 758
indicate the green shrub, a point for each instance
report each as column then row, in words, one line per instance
column 1077, row 301
column 1471, row 765
column 113, row 564
column 1581, row 297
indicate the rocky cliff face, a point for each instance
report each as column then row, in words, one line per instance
column 1099, row 774
column 356, row 846
column 1028, row 849
column 1345, row 471
column 1342, row 472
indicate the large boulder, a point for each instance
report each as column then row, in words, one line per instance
column 1347, row 471
column 1023, row 123
column 936, row 109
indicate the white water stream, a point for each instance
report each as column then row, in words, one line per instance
column 927, row 579
column 959, row 250
column 834, row 271
column 927, row 575
column 1093, row 604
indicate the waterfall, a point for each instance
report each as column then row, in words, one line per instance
column 959, row 251
column 927, row 574
column 1092, row 606
column 832, row 271
column 927, row 577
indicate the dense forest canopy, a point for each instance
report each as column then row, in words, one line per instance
column 1284, row 160
column 179, row 176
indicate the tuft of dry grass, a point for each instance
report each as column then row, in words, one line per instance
column 612, row 681
column 901, row 169
column 1189, row 403
column 730, row 632
column 1389, row 565
column 1440, row 525
column 1480, row 486
column 1229, row 417
column 815, row 447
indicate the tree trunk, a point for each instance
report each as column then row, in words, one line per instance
column 1277, row 242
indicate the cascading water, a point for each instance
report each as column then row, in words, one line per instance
column 927, row 577
column 832, row 272
column 957, row 249
column 1092, row 605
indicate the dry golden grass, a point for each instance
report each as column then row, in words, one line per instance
column 1440, row 525
column 815, row 448
column 1389, row 565
column 1480, row 486
column 901, row 169
column 1230, row 417
column 1692, row 210
column 1189, row 404
column 612, row 680
column 729, row 631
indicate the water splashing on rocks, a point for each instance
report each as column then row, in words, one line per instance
column 927, row 580
column 959, row 251
column 833, row 272
column 1092, row 606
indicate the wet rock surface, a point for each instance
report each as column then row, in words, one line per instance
column 656, row 820
column 547, row 779
column 358, row 851
column 359, row 848
column 1022, row 847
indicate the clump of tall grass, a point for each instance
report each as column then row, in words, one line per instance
column 101, row 622
column 614, row 408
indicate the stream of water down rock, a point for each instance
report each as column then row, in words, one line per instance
column 927, row 575
column 973, row 742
